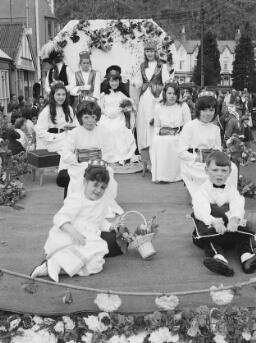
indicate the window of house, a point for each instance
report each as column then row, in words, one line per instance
column 182, row 64
column 49, row 28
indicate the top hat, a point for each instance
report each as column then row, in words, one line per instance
column 113, row 70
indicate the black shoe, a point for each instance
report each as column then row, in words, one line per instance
column 249, row 266
column 218, row 266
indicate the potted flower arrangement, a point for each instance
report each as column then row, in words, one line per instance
column 141, row 238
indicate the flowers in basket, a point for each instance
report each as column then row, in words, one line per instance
column 140, row 239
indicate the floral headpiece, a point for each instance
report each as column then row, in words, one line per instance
column 150, row 44
column 89, row 98
column 206, row 93
column 97, row 163
column 56, row 82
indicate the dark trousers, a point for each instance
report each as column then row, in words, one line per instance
column 213, row 243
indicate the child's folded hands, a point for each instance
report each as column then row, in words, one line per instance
column 233, row 224
column 218, row 225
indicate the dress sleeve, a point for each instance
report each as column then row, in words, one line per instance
column 96, row 92
column 47, row 86
column 42, row 126
column 186, row 113
column 218, row 138
column 69, row 77
column 68, row 152
column 165, row 73
column 184, row 143
column 74, row 89
column 69, row 211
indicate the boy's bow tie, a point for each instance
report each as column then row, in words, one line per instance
column 216, row 186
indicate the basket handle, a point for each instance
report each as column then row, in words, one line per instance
column 138, row 213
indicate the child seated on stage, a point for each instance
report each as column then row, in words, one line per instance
column 74, row 243
column 219, row 219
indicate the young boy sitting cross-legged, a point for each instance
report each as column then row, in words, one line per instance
column 219, row 219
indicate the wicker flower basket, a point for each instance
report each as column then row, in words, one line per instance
column 143, row 243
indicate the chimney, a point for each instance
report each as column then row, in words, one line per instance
column 237, row 35
column 183, row 34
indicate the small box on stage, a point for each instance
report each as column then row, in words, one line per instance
column 43, row 158
column 84, row 155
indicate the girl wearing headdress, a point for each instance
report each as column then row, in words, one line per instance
column 198, row 138
column 113, row 119
column 54, row 120
column 74, row 244
column 86, row 81
column 154, row 74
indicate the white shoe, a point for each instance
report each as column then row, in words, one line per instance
column 40, row 270
column 53, row 270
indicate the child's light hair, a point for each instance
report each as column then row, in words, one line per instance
column 220, row 159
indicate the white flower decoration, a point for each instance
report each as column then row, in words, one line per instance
column 139, row 338
column 48, row 321
column 246, row 336
column 92, row 322
column 87, row 338
column 167, row 303
column 29, row 336
column 117, row 339
column 108, row 302
column 103, row 318
column 219, row 338
column 59, row 327
column 68, row 322
column 38, row 320
column 2, row 328
column 14, row 324
column 221, row 297
column 163, row 335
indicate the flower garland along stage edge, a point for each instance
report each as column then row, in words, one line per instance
column 169, row 323
column 199, row 325
column 108, row 37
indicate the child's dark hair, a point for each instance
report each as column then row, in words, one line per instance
column 19, row 122
column 52, row 103
column 220, row 158
column 120, row 88
column 88, row 107
column 176, row 89
column 97, row 173
column 205, row 102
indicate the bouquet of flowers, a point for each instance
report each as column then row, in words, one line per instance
column 141, row 238
column 127, row 107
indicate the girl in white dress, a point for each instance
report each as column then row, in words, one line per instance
column 113, row 119
column 153, row 76
column 74, row 243
column 54, row 120
column 169, row 120
column 197, row 136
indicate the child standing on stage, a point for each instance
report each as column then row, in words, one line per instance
column 219, row 219
column 74, row 243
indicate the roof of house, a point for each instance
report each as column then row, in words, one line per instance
column 4, row 55
column 191, row 45
column 10, row 38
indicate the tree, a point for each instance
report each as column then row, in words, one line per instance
column 211, row 62
column 244, row 65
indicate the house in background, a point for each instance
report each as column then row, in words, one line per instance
column 16, row 43
column 38, row 17
column 186, row 58
column 5, row 66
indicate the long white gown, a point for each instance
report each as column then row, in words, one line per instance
column 146, row 109
column 165, row 162
column 88, row 218
column 113, row 120
column 199, row 135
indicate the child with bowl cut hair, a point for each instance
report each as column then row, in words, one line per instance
column 219, row 219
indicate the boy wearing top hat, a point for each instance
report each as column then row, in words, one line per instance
column 219, row 219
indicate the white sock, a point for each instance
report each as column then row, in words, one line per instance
column 41, row 270
column 53, row 269
column 221, row 257
column 246, row 256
